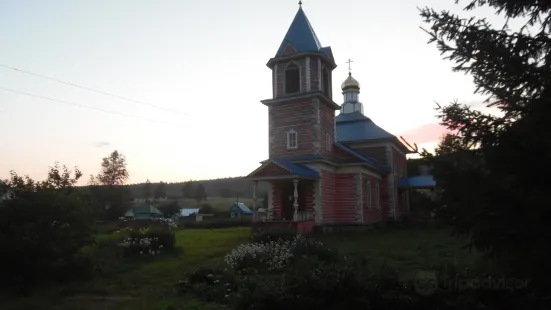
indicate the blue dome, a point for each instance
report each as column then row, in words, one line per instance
column 357, row 127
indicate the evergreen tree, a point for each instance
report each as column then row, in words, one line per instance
column 494, row 168
column 160, row 190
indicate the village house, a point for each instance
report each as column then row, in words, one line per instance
column 325, row 170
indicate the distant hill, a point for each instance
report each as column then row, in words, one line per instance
column 226, row 188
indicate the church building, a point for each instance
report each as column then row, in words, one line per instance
column 325, row 170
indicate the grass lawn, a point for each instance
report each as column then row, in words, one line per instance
column 148, row 285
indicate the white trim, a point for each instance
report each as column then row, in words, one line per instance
column 369, row 194
column 289, row 135
column 275, row 80
column 319, row 74
column 318, row 202
column 359, row 198
column 308, row 74
column 356, row 169
column 271, row 201
column 378, row 195
column 391, row 189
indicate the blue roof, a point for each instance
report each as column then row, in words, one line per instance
column 243, row 207
column 188, row 212
column 301, row 36
column 363, row 157
column 357, row 127
column 421, row 181
column 297, row 169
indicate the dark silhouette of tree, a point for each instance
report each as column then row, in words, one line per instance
column 200, row 193
column 160, row 190
column 43, row 227
column 188, row 190
column 147, row 189
column 169, row 209
column 205, row 208
column 107, row 187
column 493, row 168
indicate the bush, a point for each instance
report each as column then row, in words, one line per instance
column 274, row 234
column 137, row 224
column 42, row 234
column 150, row 242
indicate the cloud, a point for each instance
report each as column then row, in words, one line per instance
column 428, row 133
column 101, row 144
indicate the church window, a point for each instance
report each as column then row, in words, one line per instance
column 292, row 142
column 368, row 194
column 326, row 83
column 328, row 142
column 377, row 193
column 292, row 79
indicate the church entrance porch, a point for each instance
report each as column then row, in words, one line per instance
column 291, row 202
column 291, row 207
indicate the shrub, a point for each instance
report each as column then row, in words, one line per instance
column 42, row 234
column 150, row 242
column 274, row 234
column 137, row 224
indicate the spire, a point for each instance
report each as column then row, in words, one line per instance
column 300, row 35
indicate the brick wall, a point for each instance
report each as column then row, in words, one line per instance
column 345, row 198
column 328, row 192
column 371, row 211
column 298, row 116
column 400, row 170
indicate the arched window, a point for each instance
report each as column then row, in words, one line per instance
column 326, row 83
column 292, row 139
column 292, row 79
column 368, row 194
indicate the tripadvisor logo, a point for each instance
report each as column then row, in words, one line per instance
column 427, row 282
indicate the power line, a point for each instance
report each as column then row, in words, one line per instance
column 90, row 89
column 83, row 106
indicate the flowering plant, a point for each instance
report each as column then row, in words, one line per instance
column 144, row 246
column 272, row 255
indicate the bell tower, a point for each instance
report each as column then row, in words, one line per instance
column 302, row 111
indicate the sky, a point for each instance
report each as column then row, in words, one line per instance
column 193, row 74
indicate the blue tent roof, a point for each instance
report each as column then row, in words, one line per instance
column 301, row 36
column 357, row 127
column 421, row 181
column 297, row 169
column 291, row 168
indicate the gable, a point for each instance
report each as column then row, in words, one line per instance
column 270, row 169
column 289, row 50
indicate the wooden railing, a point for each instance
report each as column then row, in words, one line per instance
column 300, row 216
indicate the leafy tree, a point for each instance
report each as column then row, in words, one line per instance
column 188, row 190
column 113, row 171
column 200, row 193
column 206, row 209
column 160, row 190
column 493, row 168
column 147, row 189
column 43, row 227
column 170, row 208
column 107, row 187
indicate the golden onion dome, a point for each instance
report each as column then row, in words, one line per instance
column 350, row 82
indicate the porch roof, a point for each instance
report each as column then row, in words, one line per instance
column 362, row 157
column 287, row 169
column 421, row 181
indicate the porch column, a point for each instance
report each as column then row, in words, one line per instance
column 255, row 185
column 295, row 203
